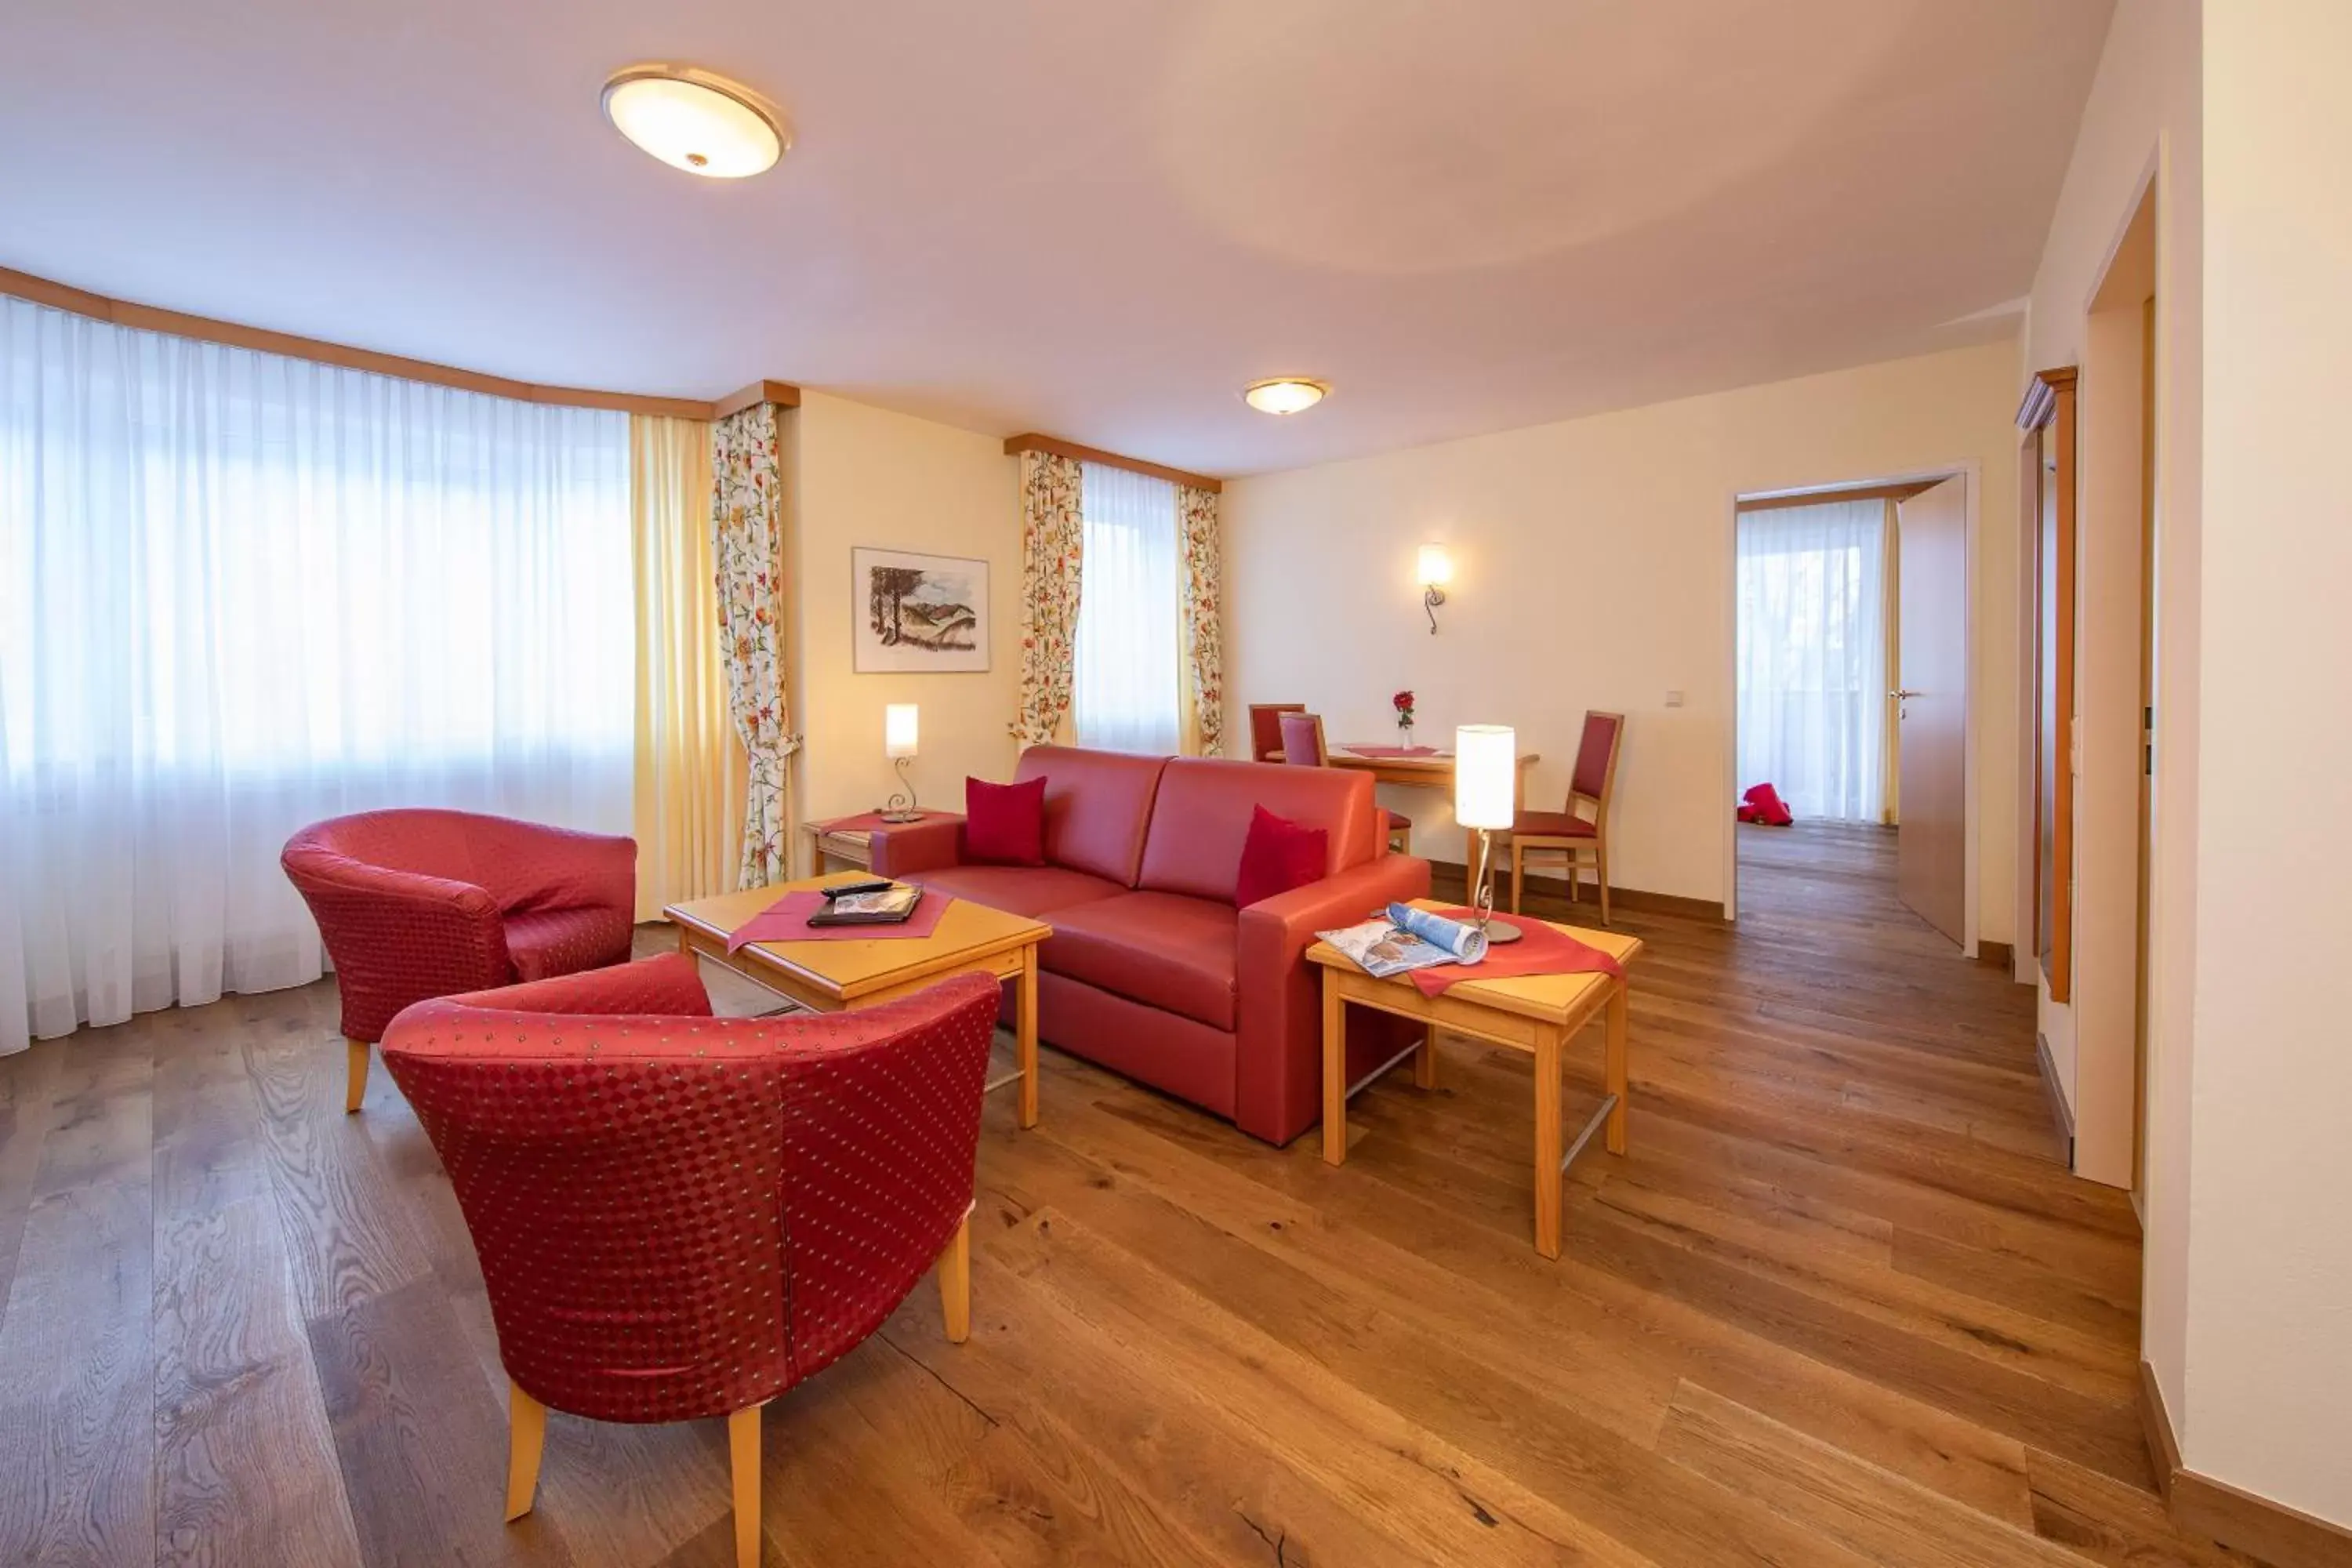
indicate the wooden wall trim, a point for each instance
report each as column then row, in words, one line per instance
column 1903, row 491
column 2040, row 395
column 782, row 393
column 205, row 329
column 1621, row 897
column 2156, row 1430
column 1031, row 441
column 2281, row 1536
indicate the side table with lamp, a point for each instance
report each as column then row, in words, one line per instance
column 1537, row 1013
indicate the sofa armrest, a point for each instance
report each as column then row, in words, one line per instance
column 1277, row 1092
column 905, row 849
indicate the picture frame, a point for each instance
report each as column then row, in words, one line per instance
column 913, row 613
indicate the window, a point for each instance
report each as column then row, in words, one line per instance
column 1812, row 657
column 239, row 593
column 1124, row 682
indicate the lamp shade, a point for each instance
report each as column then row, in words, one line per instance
column 1486, row 769
column 1435, row 566
column 899, row 730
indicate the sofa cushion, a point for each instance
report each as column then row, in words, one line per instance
column 1098, row 805
column 1202, row 815
column 1278, row 856
column 1004, row 824
column 547, row 942
column 1162, row 948
column 1031, row 891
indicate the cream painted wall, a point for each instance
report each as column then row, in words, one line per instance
column 865, row 476
column 2141, row 123
column 2269, row 1272
column 1593, row 569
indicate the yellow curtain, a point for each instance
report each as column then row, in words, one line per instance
column 1053, row 538
column 691, row 767
column 1890, row 554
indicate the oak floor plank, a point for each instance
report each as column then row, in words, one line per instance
column 1876, row 1513
column 77, row 1348
column 245, row 1463
column 345, row 1236
column 421, row 1442
column 25, row 1083
column 2101, row 1520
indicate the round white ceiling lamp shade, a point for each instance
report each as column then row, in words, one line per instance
column 696, row 122
column 1285, row 394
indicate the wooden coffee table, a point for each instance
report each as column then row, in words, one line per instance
column 1537, row 1014
column 846, row 976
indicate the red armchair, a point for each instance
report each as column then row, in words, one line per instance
column 418, row 904
column 681, row 1216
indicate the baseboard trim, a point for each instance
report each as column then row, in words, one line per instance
column 1997, row 955
column 2281, row 1536
column 2058, row 1111
column 2156, row 1428
column 1619, row 897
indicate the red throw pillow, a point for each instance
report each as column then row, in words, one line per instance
column 1004, row 824
column 1278, row 856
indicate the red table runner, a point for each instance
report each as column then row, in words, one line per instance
column 1369, row 750
column 786, row 920
column 1541, row 949
column 867, row 821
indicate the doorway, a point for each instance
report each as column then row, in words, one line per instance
column 1851, row 712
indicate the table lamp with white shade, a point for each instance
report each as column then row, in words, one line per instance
column 1486, row 796
column 899, row 745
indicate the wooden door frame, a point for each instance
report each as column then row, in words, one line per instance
column 1970, row 470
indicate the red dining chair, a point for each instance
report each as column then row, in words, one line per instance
column 1303, row 746
column 418, row 904
column 1265, row 729
column 681, row 1216
column 1593, row 783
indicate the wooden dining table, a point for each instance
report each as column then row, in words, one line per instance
column 1431, row 768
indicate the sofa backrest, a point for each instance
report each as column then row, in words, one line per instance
column 1098, row 805
column 1203, row 814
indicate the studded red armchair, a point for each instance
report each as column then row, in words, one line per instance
column 682, row 1216
column 418, row 904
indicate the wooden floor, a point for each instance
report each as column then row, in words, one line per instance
column 1839, row 1305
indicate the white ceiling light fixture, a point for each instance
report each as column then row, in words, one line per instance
column 1285, row 394
column 694, row 121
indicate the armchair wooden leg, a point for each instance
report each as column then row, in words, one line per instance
column 355, row 1071
column 743, row 1464
column 526, row 1436
column 955, row 1283
column 1600, row 871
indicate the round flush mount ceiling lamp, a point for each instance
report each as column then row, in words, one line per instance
column 1286, row 395
column 694, row 121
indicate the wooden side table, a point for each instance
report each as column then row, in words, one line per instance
column 848, row 840
column 1538, row 1014
column 843, row 976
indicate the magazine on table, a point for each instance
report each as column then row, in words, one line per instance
column 1403, row 938
column 887, row 906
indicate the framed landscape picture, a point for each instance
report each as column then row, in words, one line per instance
column 918, row 611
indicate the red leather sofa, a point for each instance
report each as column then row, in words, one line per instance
column 1151, row 970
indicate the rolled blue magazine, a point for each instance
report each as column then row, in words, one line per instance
column 1466, row 944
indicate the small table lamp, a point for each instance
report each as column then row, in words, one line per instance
column 1486, row 793
column 899, row 745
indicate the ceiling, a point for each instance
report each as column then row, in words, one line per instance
column 1096, row 220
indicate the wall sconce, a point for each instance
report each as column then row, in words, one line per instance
column 1436, row 569
column 899, row 745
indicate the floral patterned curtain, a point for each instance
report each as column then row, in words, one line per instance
column 1202, row 590
column 747, row 535
column 1052, row 534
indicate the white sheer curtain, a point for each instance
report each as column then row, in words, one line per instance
column 239, row 593
column 1124, row 683
column 1812, row 657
